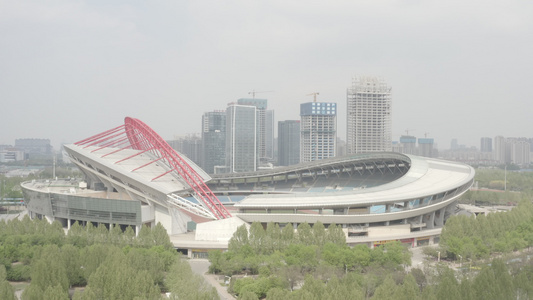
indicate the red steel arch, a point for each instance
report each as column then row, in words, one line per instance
column 142, row 137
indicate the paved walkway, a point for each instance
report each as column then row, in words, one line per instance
column 200, row 267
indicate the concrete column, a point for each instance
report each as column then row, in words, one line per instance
column 68, row 224
column 440, row 219
column 431, row 222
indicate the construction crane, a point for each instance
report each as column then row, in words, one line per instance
column 314, row 95
column 407, row 131
column 253, row 92
column 426, row 134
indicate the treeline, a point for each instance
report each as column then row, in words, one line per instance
column 104, row 264
column 478, row 237
column 496, row 281
column 283, row 259
column 495, row 178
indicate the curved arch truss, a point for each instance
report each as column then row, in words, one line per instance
column 135, row 134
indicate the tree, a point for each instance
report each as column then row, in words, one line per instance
column 55, row 293
column 319, row 234
column 256, row 238
column 387, row 290
column 48, row 270
column 239, row 239
column 6, row 290
column 409, row 289
column 305, row 234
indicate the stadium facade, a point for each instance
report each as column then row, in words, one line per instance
column 133, row 178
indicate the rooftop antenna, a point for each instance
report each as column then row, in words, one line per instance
column 314, row 95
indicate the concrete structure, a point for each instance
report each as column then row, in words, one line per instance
column 213, row 140
column 132, row 177
column 288, row 142
column 241, row 138
column 368, row 116
column 318, row 130
column 374, row 196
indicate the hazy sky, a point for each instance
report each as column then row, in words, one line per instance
column 72, row 69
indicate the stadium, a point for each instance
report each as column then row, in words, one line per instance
column 132, row 177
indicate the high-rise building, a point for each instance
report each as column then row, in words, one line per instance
column 318, row 130
column 520, row 152
column 454, row 144
column 425, row 147
column 213, row 140
column 368, row 116
column 190, row 146
column 408, row 143
column 499, row 150
column 486, row 144
column 241, row 138
column 269, row 135
column 288, row 142
column 265, row 127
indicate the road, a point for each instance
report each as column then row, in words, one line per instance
column 200, row 267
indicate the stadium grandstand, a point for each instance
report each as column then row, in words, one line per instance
column 133, row 178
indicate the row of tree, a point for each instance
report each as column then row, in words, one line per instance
column 283, row 258
column 478, row 237
column 495, row 281
column 103, row 263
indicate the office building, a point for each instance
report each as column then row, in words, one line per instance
column 264, row 126
column 318, row 130
column 288, row 142
column 368, row 116
column 241, row 138
column 213, row 140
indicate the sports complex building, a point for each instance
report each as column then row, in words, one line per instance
column 132, row 177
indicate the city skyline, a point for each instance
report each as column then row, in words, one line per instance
column 69, row 69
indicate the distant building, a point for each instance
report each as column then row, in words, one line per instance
column 499, row 150
column 368, row 116
column 213, row 140
column 454, row 145
column 264, row 126
column 288, row 142
column 425, row 147
column 408, row 143
column 34, row 146
column 190, row 146
column 269, row 135
column 318, row 130
column 486, row 144
column 241, row 138
column 11, row 154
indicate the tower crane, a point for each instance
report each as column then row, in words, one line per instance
column 253, row 92
column 314, row 95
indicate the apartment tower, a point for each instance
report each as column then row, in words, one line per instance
column 368, row 116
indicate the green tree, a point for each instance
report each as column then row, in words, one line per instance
column 55, row 293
